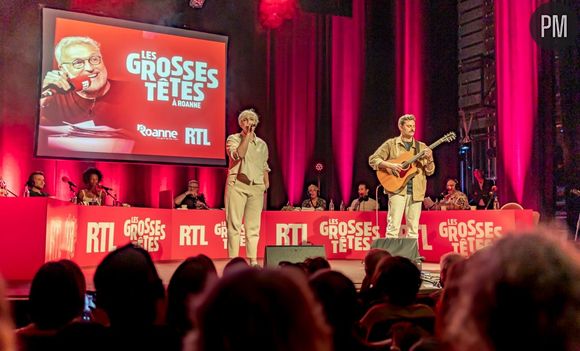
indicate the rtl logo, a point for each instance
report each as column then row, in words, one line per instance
column 197, row 136
column 192, row 235
column 100, row 237
column 291, row 233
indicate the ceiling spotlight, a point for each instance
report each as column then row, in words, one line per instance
column 196, row 4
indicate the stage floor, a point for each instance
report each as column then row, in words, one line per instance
column 353, row 269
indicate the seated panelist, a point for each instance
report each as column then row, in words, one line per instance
column 363, row 202
column 92, row 194
column 191, row 199
column 35, row 184
column 482, row 191
column 314, row 200
column 453, row 198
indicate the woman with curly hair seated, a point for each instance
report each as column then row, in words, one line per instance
column 92, row 194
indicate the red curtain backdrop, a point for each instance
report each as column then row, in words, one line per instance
column 517, row 98
column 409, row 42
column 295, row 89
column 347, row 62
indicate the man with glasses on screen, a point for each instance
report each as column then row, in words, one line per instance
column 79, row 90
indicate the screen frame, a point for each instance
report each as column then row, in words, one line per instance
column 48, row 20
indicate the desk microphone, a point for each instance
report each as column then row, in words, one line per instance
column 68, row 181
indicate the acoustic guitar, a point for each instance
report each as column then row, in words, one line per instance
column 392, row 183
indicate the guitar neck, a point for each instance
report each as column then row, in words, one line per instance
column 420, row 154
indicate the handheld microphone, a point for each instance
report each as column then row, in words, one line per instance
column 105, row 187
column 68, row 181
column 441, row 196
column 77, row 84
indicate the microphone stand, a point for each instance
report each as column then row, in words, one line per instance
column 114, row 197
column 73, row 195
column 491, row 198
column 10, row 192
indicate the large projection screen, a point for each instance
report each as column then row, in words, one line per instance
column 125, row 91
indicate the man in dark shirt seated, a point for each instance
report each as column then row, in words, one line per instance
column 36, row 184
column 191, row 199
column 482, row 191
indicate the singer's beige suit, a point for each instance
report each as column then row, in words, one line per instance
column 244, row 198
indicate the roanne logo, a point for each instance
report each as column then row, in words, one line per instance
column 163, row 134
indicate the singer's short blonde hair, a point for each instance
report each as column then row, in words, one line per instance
column 250, row 114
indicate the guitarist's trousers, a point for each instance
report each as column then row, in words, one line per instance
column 398, row 204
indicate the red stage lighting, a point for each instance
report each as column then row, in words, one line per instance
column 272, row 13
column 319, row 167
column 196, row 4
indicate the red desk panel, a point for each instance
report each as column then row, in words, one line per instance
column 36, row 230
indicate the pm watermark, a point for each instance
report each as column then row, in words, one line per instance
column 554, row 26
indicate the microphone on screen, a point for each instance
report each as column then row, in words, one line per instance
column 77, row 84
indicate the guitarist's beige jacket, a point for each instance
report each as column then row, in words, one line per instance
column 391, row 149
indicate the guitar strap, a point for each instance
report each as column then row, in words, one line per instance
column 416, row 147
column 414, row 154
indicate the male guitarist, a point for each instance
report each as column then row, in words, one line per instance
column 409, row 198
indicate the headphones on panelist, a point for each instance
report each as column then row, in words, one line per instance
column 30, row 181
column 456, row 186
column 315, row 187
